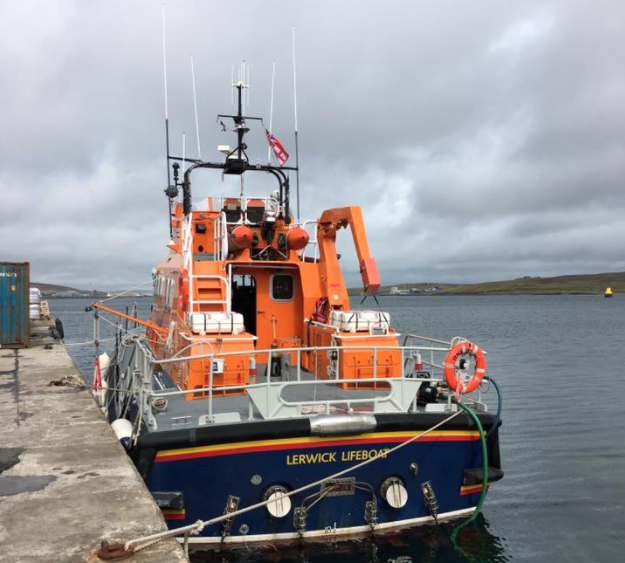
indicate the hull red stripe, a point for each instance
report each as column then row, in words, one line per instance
column 275, row 447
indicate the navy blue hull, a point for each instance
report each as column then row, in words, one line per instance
column 207, row 475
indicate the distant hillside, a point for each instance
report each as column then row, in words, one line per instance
column 422, row 288
column 570, row 285
column 49, row 289
column 581, row 284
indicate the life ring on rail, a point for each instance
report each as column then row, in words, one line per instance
column 183, row 289
column 452, row 369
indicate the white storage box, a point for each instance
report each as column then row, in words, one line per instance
column 216, row 322
column 374, row 322
column 35, row 295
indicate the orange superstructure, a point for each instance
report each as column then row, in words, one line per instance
column 243, row 276
column 246, row 285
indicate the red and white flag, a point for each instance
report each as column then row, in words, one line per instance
column 281, row 155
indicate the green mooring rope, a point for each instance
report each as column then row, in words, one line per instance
column 478, row 508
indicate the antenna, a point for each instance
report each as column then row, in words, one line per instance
column 197, row 122
column 184, row 150
column 248, row 85
column 232, row 84
column 166, row 124
column 273, row 81
column 295, row 112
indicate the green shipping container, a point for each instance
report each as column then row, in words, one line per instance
column 14, row 302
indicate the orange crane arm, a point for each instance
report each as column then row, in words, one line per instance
column 149, row 324
column 330, row 221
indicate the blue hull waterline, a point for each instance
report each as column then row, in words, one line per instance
column 195, row 481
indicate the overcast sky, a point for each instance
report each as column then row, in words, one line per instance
column 484, row 140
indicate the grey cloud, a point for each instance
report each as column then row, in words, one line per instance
column 483, row 140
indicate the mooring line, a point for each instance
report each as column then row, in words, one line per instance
column 194, row 529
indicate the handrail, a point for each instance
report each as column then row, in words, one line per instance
column 425, row 338
column 264, row 384
column 296, row 349
column 264, row 398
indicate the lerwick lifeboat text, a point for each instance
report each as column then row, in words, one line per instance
column 330, row 457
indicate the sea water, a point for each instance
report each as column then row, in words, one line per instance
column 560, row 361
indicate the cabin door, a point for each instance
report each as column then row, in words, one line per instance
column 244, row 300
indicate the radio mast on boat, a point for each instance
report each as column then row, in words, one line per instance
column 167, row 191
column 295, row 112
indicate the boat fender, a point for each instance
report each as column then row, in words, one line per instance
column 123, row 430
column 100, row 369
column 100, row 393
column 57, row 330
column 342, row 424
column 454, row 364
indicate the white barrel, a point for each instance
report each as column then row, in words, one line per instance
column 105, row 362
column 123, row 430
column 100, row 394
column 34, row 311
column 35, row 295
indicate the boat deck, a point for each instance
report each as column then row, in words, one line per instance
column 228, row 409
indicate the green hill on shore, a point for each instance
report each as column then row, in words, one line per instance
column 569, row 285
column 561, row 285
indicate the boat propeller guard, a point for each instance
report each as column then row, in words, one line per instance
column 453, row 368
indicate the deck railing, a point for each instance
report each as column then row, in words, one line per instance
column 266, row 396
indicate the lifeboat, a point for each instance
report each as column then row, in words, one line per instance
column 257, row 381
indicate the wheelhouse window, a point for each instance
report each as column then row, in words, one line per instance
column 282, row 287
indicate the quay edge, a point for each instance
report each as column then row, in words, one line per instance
column 65, row 481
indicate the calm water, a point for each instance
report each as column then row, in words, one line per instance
column 561, row 364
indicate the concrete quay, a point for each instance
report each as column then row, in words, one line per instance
column 65, row 481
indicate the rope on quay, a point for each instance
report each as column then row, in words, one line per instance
column 132, row 546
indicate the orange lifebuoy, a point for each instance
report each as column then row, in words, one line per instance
column 451, row 368
column 183, row 289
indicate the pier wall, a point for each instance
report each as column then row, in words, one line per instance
column 65, row 481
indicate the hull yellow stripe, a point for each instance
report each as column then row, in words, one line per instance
column 315, row 441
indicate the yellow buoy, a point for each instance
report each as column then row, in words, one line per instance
column 608, row 292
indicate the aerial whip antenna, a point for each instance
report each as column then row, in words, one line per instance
column 273, row 82
column 232, row 84
column 295, row 112
column 184, row 150
column 247, row 98
column 197, row 122
column 166, row 124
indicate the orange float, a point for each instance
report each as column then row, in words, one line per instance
column 240, row 238
column 297, row 238
column 451, row 368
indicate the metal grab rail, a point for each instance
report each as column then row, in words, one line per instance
column 298, row 349
column 266, row 397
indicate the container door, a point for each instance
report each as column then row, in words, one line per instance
column 14, row 301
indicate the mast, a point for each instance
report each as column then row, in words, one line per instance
column 237, row 160
column 295, row 112
column 171, row 232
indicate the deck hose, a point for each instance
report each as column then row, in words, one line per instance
column 478, row 508
column 499, row 406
